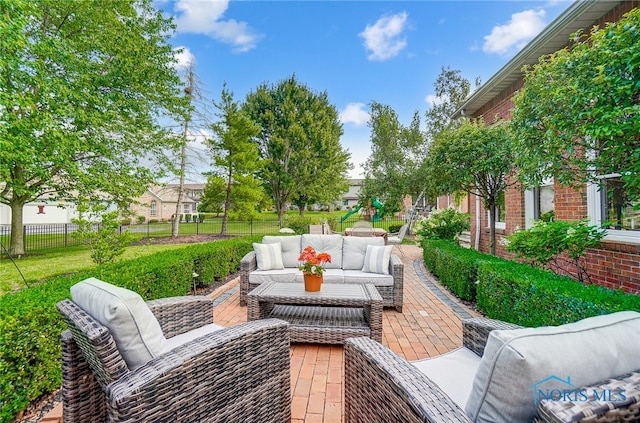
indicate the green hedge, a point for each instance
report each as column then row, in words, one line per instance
column 528, row 296
column 456, row 267
column 30, row 325
column 517, row 292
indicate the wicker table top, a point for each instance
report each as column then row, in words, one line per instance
column 336, row 312
column 330, row 294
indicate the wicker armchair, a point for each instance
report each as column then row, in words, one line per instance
column 380, row 386
column 236, row 374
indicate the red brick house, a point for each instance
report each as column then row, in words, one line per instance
column 617, row 263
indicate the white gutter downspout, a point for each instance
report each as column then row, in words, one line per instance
column 477, row 240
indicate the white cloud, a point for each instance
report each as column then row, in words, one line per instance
column 185, row 58
column 513, row 36
column 355, row 113
column 206, row 17
column 433, row 100
column 384, row 38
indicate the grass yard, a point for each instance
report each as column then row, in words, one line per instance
column 59, row 261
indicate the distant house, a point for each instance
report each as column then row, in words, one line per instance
column 159, row 202
column 41, row 211
column 350, row 198
column 617, row 263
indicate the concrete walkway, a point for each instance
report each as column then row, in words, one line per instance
column 429, row 325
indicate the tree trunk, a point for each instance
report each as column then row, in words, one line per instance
column 301, row 209
column 227, row 206
column 492, row 229
column 16, row 248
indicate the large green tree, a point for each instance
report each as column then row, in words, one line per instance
column 234, row 150
column 391, row 166
column 82, row 83
column 473, row 158
column 299, row 141
column 451, row 89
column 578, row 114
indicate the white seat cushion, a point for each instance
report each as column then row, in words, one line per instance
column 518, row 364
column 452, row 372
column 329, row 276
column 358, row 276
column 284, row 275
column 183, row 338
column 134, row 328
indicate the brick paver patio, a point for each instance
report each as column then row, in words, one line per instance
column 429, row 325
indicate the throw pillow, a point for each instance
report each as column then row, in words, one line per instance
column 520, row 366
column 269, row 256
column 376, row 259
column 133, row 326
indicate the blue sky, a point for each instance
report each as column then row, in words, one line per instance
column 390, row 52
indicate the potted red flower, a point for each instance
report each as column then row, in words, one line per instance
column 311, row 266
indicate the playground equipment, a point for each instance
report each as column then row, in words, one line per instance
column 373, row 203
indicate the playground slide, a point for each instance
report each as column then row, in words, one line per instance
column 346, row 216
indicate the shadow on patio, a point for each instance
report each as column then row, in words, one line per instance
column 429, row 325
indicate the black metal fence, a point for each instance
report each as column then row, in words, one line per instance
column 45, row 236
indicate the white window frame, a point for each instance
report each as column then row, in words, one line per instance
column 153, row 208
column 594, row 212
column 530, row 203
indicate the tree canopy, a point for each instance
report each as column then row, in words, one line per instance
column 391, row 169
column 578, row 114
column 82, row 84
column 473, row 158
column 236, row 155
column 299, row 140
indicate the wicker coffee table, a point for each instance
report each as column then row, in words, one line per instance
column 330, row 316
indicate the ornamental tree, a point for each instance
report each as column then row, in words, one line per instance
column 473, row 158
column 578, row 114
column 81, row 87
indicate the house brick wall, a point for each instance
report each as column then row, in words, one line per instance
column 614, row 265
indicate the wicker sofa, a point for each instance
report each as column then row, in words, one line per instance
column 381, row 386
column 348, row 256
column 210, row 374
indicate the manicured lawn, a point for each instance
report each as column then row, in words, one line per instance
column 59, row 261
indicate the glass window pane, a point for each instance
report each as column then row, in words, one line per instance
column 617, row 210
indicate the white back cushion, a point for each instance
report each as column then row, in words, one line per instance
column 290, row 248
column 354, row 249
column 269, row 256
column 133, row 326
column 331, row 244
column 518, row 363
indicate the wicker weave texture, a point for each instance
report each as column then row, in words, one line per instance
column 330, row 316
column 238, row 374
column 623, row 406
column 380, row 386
column 392, row 296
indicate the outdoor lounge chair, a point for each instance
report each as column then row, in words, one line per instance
column 215, row 374
column 380, row 386
column 395, row 238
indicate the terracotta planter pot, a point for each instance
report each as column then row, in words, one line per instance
column 312, row 282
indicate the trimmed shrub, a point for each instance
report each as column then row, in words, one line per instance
column 455, row 266
column 30, row 325
column 528, row 296
column 517, row 292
